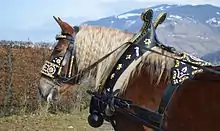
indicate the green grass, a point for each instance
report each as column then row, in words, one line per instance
column 76, row 121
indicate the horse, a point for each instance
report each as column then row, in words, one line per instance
column 90, row 43
column 76, row 49
column 159, row 72
column 143, row 81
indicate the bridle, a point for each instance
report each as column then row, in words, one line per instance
column 52, row 69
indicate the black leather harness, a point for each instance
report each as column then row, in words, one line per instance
column 185, row 68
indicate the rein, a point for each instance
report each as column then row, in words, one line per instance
column 158, row 43
column 95, row 64
column 123, row 105
column 189, row 63
column 142, row 47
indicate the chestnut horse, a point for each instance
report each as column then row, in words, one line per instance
column 143, row 82
column 195, row 104
column 147, row 79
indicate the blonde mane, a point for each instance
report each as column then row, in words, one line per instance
column 93, row 42
column 155, row 65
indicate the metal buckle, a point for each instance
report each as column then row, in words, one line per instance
column 60, row 37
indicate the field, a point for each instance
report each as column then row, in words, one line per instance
column 19, row 105
column 19, row 71
column 76, row 121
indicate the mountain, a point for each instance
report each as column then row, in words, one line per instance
column 191, row 28
column 213, row 57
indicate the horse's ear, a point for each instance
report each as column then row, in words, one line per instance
column 65, row 27
column 58, row 20
column 76, row 28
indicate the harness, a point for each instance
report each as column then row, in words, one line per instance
column 105, row 102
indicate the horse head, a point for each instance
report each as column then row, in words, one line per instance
column 61, row 63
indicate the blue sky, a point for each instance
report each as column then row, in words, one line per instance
column 20, row 17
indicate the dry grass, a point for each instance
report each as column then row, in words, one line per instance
column 76, row 121
column 24, row 77
column 22, row 110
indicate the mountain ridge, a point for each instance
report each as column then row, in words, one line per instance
column 191, row 28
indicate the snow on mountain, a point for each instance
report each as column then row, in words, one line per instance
column 127, row 15
column 214, row 22
column 191, row 28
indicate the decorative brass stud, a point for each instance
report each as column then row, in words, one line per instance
column 128, row 57
column 119, row 66
column 147, row 41
column 112, row 75
column 51, row 70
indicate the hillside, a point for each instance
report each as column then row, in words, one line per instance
column 194, row 29
column 213, row 57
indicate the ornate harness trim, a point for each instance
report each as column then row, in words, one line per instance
column 52, row 69
column 132, row 53
column 182, row 71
